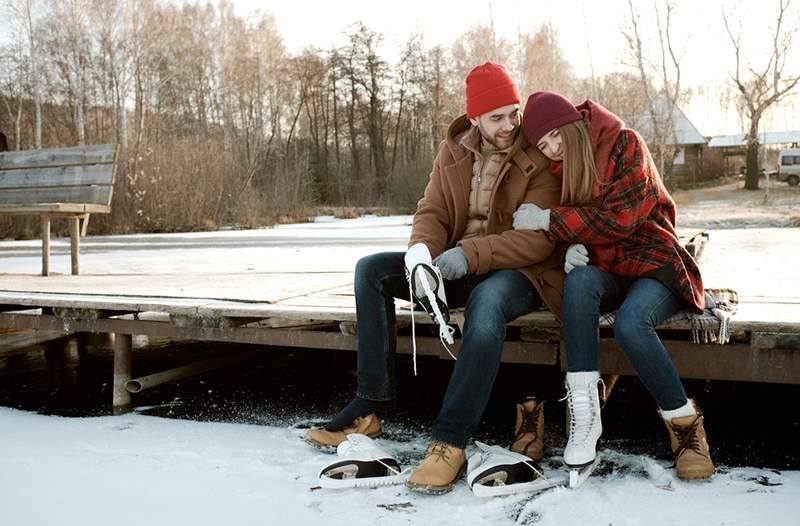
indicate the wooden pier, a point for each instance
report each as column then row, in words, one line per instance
column 312, row 309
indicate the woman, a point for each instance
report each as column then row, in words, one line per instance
column 624, row 256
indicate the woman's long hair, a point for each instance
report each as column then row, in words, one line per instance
column 580, row 172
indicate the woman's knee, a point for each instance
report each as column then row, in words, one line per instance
column 631, row 326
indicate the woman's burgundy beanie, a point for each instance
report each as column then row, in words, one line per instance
column 545, row 111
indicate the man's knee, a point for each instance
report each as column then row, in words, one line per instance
column 582, row 283
column 370, row 268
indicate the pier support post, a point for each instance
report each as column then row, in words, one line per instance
column 123, row 361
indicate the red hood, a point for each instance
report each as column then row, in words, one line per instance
column 604, row 128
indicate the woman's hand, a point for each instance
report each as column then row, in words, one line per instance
column 530, row 217
column 577, row 256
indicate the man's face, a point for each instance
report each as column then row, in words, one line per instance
column 551, row 145
column 499, row 126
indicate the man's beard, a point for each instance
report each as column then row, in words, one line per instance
column 491, row 140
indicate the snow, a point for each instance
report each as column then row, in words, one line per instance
column 137, row 469
column 326, row 245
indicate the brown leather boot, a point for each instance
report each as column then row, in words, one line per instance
column 443, row 466
column 325, row 440
column 529, row 429
column 687, row 437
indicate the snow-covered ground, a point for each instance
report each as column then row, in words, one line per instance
column 136, row 469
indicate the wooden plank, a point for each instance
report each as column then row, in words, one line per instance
column 733, row 362
column 55, row 209
column 513, row 352
column 93, row 154
column 58, row 176
column 83, row 195
column 775, row 340
column 14, row 343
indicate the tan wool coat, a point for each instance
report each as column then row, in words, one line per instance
column 441, row 216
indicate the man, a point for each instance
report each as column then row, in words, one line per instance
column 483, row 172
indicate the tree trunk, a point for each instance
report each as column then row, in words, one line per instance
column 751, row 177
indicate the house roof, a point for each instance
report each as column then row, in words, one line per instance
column 685, row 131
column 782, row 137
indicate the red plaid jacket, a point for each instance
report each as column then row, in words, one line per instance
column 631, row 230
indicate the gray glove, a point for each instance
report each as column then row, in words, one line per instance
column 577, row 256
column 452, row 263
column 530, row 217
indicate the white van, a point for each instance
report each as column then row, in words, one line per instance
column 789, row 166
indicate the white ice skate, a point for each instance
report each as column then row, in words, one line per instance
column 585, row 425
column 426, row 285
column 494, row 471
column 362, row 464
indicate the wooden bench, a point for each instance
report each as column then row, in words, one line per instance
column 68, row 183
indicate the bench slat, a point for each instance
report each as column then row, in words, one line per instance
column 62, row 176
column 95, row 154
column 100, row 195
column 54, row 209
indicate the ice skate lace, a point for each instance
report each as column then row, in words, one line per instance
column 356, row 446
column 445, row 331
column 581, row 402
column 688, row 438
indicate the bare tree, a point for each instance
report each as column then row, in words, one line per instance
column 659, row 127
column 27, row 15
column 14, row 83
column 760, row 88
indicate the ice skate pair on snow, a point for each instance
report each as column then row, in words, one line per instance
column 492, row 470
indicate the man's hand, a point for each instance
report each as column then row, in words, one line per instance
column 577, row 256
column 530, row 217
column 452, row 263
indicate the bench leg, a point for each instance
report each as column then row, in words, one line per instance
column 75, row 243
column 85, row 225
column 123, row 362
column 45, row 245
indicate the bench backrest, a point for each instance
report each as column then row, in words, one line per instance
column 78, row 175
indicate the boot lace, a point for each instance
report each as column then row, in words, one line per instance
column 439, row 449
column 688, row 438
column 530, row 423
column 581, row 402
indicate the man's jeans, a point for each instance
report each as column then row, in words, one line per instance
column 642, row 304
column 492, row 300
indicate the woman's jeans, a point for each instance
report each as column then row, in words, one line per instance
column 642, row 304
column 492, row 300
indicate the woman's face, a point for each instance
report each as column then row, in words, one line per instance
column 551, row 145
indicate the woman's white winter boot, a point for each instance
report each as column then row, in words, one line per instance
column 585, row 426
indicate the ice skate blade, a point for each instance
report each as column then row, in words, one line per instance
column 579, row 474
column 535, row 486
column 366, row 482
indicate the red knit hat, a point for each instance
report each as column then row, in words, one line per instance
column 489, row 86
column 545, row 111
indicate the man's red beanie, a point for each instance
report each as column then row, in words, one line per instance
column 489, row 86
column 545, row 111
